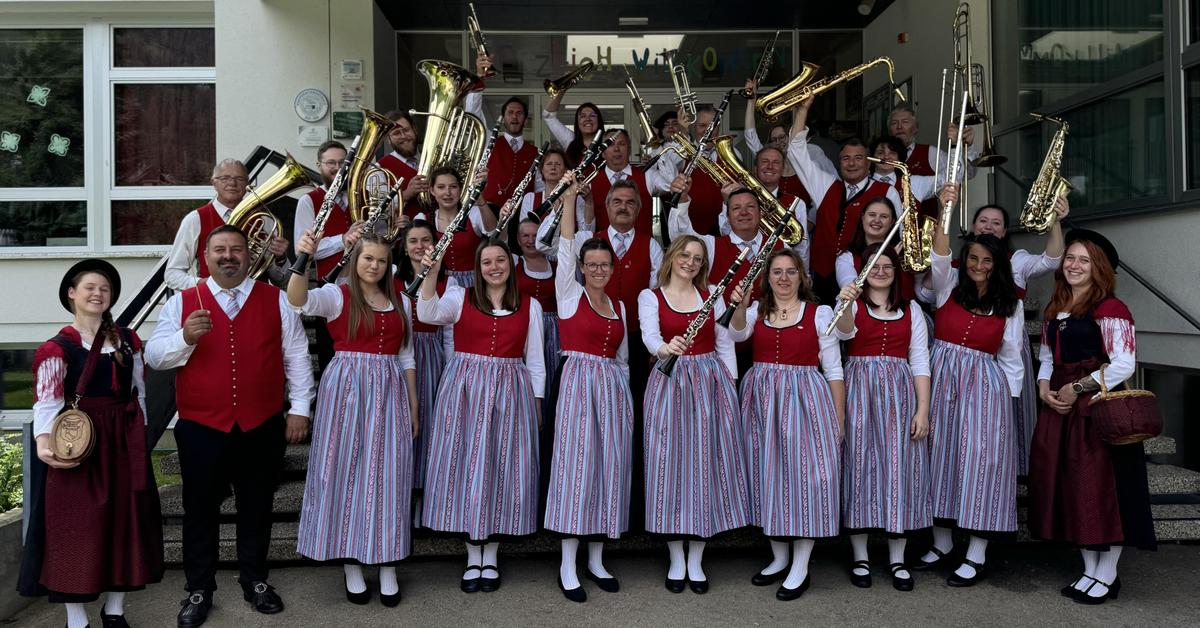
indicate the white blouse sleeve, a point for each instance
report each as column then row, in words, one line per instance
column 51, row 375
column 648, row 313
column 1026, row 265
column 814, row 179
column 559, row 130
column 831, row 351
column 477, row 220
column 443, row 310
column 408, row 359
column 725, row 348
column 740, row 335
column 139, row 381
column 535, row 361
column 944, row 277
column 1009, row 356
column 753, row 143
column 567, row 291
column 844, row 267
column 1120, row 343
column 623, row 349
column 925, row 293
column 1045, row 360
column 846, row 335
column 325, row 301
column 918, row 343
column 679, row 222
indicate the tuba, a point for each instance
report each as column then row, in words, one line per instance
column 453, row 137
column 259, row 224
column 1038, row 214
column 801, row 87
column 365, row 178
column 916, row 235
column 563, row 83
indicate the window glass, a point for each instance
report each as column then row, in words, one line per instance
column 1193, row 127
column 149, row 221
column 41, row 108
column 16, row 379
column 43, row 223
column 163, row 48
column 165, row 133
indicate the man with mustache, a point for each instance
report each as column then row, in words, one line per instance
column 235, row 342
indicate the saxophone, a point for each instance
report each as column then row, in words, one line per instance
column 801, row 86
column 916, row 236
column 1038, row 214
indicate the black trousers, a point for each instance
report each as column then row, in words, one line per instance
column 212, row 461
column 639, row 376
column 160, row 404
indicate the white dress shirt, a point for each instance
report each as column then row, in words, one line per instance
column 942, row 160
column 328, row 303
column 819, row 159
column 830, row 354
column 923, row 187
column 679, row 222
column 918, row 343
column 306, row 216
column 652, row 332
column 569, row 294
column 167, row 349
column 817, row 181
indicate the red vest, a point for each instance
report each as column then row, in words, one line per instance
column 874, row 337
column 793, row 186
column 631, row 274
column 954, row 324
column 918, row 164
column 386, row 339
column 208, row 386
column 672, row 323
column 837, row 220
column 490, row 335
column 600, row 187
column 705, row 208
column 795, row 344
column 541, row 290
column 417, row 325
column 506, row 169
column 588, row 332
column 460, row 255
column 724, row 253
column 209, row 220
column 397, row 167
column 338, row 223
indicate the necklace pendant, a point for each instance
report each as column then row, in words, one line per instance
column 1062, row 326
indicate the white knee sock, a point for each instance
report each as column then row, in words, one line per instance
column 114, row 603
column 596, row 560
column 490, row 557
column 678, row 568
column 896, row 555
column 388, row 585
column 566, row 570
column 858, row 543
column 779, row 558
column 474, row 560
column 355, row 583
column 1106, row 567
column 1090, row 559
column 695, row 561
column 977, row 552
column 801, row 551
column 76, row 615
column 943, row 540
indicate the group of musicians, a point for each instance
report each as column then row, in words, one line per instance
column 518, row 391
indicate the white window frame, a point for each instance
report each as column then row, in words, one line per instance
column 99, row 172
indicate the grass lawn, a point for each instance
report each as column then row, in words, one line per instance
column 162, row 479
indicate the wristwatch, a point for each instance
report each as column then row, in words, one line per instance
column 1077, row 387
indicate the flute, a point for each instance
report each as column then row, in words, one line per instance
column 666, row 365
column 300, row 266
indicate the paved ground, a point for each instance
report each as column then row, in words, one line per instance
column 1160, row 589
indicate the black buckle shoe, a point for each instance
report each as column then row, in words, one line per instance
column 470, row 585
column 112, row 621
column 262, row 597
column 195, row 609
column 862, row 582
column 1085, row 597
column 1069, row 590
column 921, row 565
column 898, row 583
column 488, row 585
column 956, row 580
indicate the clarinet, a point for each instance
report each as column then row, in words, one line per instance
column 443, row 244
column 376, row 214
column 666, row 365
column 590, row 160
column 760, row 260
column 701, row 146
column 300, row 266
column 519, row 192
column 861, row 279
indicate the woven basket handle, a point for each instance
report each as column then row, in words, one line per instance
column 1103, row 386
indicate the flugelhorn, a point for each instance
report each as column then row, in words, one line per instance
column 801, row 86
column 453, row 138
column 764, row 66
column 1038, row 214
column 477, row 40
column 649, row 140
column 254, row 218
column 685, row 98
column 563, row 83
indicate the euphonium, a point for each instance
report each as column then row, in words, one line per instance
column 563, row 83
column 364, row 175
column 801, row 87
column 453, row 137
column 1038, row 214
column 254, row 218
column 916, row 235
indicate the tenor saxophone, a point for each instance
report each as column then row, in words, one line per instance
column 801, row 87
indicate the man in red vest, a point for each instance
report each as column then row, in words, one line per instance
column 403, row 161
column 921, row 158
column 340, row 232
column 839, row 200
column 705, row 191
column 235, row 343
column 768, row 169
column 646, row 182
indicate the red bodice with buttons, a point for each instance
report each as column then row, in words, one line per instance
column 955, row 324
column 589, row 332
column 385, row 339
column 417, row 325
column 541, row 290
column 875, row 337
column 672, row 323
column 494, row 336
column 460, row 255
column 795, row 344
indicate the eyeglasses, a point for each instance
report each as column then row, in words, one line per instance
column 879, row 269
column 789, row 272
column 594, row 267
column 329, row 163
column 226, row 179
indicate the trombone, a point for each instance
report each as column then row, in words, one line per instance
column 973, row 83
column 477, row 40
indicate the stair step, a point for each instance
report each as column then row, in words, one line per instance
column 1159, row 446
column 295, row 458
column 288, row 498
column 1166, row 479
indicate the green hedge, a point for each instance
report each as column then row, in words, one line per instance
column 10, row 473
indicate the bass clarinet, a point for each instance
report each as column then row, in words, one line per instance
column 378, row 211
column 519, row 193
column 300, row 266
column 666, row 365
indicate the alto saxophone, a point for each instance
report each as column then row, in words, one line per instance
column 1038, row 214
column 916, row 236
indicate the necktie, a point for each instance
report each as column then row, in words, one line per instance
column 412, row 163
column 621, row 244
column 851, row 188
column 232, row 307
column 616, row 176
column 887, row 178
column 513, row 144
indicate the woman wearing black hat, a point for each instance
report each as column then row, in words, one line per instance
column 1081, row 490
column 94, row 524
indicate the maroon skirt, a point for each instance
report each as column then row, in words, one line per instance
column 96, row 527
column 1083, row 491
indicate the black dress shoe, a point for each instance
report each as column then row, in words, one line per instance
column 786, row 594
column 488, row 585
column 956, row 580
column 699, row 587
column 608, row 585
column 761, row 579
column 676, row 586
column 921, row 565
column 470, row 585
column 195, row 609
column 112, row 621
column 578, row 594
column 262, row 597
column 1083, row 596
column 862, row 582
column 390, row 600
column 360, row 598
column 898, row 583
column 1070, row 590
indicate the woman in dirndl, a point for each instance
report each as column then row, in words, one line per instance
column 593, row 432
column 358, row 491
column 885, row 458
column 793, row 406
column 696, row 484
column 975, row 371
column 94, row 524
column 481, row 479
column 446, row 187
column 1082, row 490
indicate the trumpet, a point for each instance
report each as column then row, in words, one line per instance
column 764, row 66
column 801, row 87
column 701, row 146
column 685, row 98
column 477, row 40
column 381, row 206
column 665, row 366
column 519, row 193
column 563, row 83
column 1038, row 214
